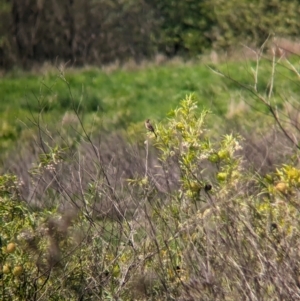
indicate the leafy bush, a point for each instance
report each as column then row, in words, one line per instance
column 251, row 22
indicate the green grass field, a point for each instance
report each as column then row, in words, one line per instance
column 126, row 96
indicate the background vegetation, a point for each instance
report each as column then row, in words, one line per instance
column 103, row 31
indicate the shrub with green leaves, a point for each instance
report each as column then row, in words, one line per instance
column 186, row 139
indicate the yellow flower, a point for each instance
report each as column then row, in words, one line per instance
column 6, row 269
column 214, row 158
column 223, row 154
column 195, row 186
column 11, row 247
column 221, row 176
column 281, row 187
column 18, row 270
column 116, row 271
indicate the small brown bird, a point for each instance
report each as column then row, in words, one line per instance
column 149, row 127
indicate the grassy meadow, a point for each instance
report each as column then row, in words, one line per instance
column 93, row 207
column 121, row 97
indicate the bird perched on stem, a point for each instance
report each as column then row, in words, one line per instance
column 149, row 127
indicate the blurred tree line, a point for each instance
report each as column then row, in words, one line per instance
column 103, row 31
